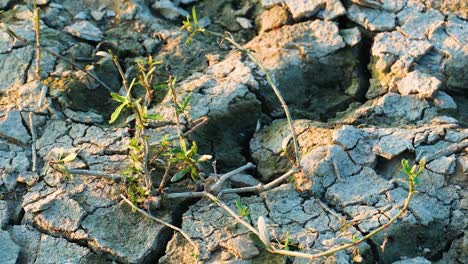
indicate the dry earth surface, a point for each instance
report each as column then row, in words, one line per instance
column 369, row 83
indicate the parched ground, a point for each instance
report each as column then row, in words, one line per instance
column 368, row 82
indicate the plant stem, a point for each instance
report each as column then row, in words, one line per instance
column 161, row 222
column 272, row 85
column 38, row 40
column 176, row 113
column 114, row 177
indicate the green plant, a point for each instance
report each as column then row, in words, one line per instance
column 193, row 27
column 243, row 210
column 59, row 161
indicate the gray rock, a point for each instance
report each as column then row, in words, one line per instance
column 356, row 189
column 242, row 247
column 54, row 129
column 275, row 17
column 6, row 42
column 85, row 30
column 169, row 9
column 420, row 25
column 58, row 250
column 443, row 165
column 408, row 107
column 83, row 117
column 270, row 3
column 391, row 146
column 417, row 260
column 372, row 19
column 28, row 178
column 4, row 213
column 419, row 83
column 29, row 240
column 11, row 127
column 4, row 4
column 293, row 56
column 97, row 15
column 427, row 209
column 444, row 101
column 351, row 36
column 62, row 215
column 13, row 66
column 229, row 85
column 8, row 249
column 307, row 8
column 244, row 22
column 28, row 95
column 131, row 238
column 347, row 136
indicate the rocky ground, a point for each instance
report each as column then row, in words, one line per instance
column 369, row 82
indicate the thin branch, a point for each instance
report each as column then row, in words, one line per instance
column 38, row 40
column 114, row 177
column 261, row 187
column 33, row 143
column 216, row 188
column 162, row 222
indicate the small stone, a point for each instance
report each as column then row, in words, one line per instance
column 351, row 36
column 356, row 189
column 391, row 146
column 62, row 214
column 408, row 107
column 444, row 165
column 81, row 16
column 419, row 83
column 242, row 247
column 83, row 117
column 347, row 136
column 28, row 238
column 372, row 19
column 4, row 4
column 168, row 9
column 275, row 17
column 417, row 260
column 444, row 101
column 9, row 251
column 42, row 2
column 270, row 3
column 110, row 13
column 11, row 127
column 304, row 8
column 419, row 26
column 28, row 178
column 244, row 22
column 97, row 15
column 85, row 30
column 59, row 250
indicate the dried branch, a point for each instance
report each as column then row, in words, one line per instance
column 162, row 222
column 216, row 188
column 113, row 177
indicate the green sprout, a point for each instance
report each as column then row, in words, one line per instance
column 243, row 210
column 193, row 27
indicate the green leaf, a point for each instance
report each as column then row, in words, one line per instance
column 153, row 116
column 69, row 158
column 116, row 113
column 117, row 97
column 257, row 241
column 194, row 16
column 180, row 174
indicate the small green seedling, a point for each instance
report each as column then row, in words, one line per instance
column 58, row 163
column 188, row 160
column 193, row 27
column 243, row 210
column 414, row 171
